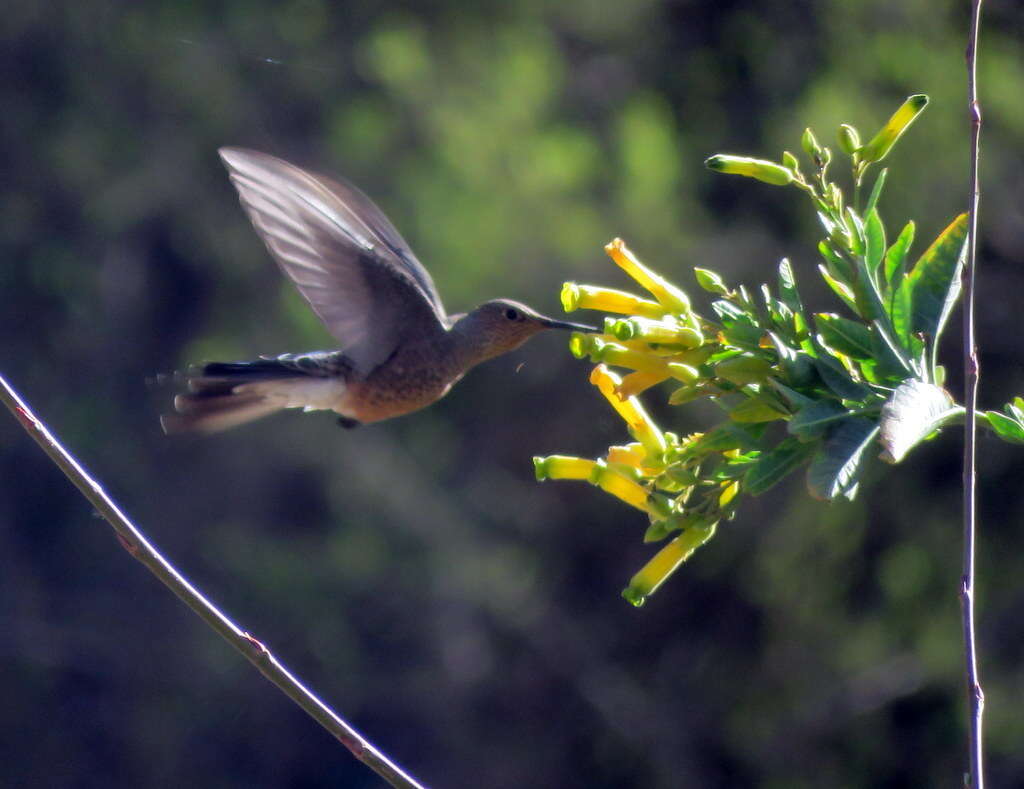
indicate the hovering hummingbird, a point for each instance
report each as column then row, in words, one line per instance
column 399, row 351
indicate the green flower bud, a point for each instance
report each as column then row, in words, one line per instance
column 882, row 143
column 790, row 161
column 762, row 170
column 849, row 140
column 582, row 345
column 710, row 281
column 810, row 144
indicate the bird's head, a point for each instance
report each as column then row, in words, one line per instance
column 502, row 325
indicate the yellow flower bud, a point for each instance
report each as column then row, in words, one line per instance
column 882, row 143
column 761, row 169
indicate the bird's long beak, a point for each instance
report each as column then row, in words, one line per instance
column 551, row 323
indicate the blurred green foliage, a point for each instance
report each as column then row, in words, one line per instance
column 465, row 618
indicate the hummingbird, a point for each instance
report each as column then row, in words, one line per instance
column 399, row 350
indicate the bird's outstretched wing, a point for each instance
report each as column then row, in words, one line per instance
column 345, row 257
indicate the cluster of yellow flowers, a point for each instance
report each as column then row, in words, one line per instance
column 659, row 473
column 837, row 382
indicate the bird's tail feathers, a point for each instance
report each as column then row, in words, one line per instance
column 212, row 413
column 219, row 396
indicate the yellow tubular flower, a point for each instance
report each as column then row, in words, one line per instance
column 563, row 467
column 664, row 291
column 683, row 372
column 589, row 297
column 621, row 487
column 666, row 331
column 620, row 356
column 640, row 425
column 628, row 455
column 664, row 563
column 637, row 382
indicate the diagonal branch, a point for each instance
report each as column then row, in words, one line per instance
column 975, row 695
column 135, row 543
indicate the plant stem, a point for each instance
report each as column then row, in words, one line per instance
column 135, row 543
column 975, row 695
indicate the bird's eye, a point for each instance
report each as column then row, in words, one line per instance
column 511, row 314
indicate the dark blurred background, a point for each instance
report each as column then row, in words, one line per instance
column 466, row 618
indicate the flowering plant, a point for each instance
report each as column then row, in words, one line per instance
column 818, row 390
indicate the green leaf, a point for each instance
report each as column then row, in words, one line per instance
column 914, row 412
column 756, row 409
column 791, row 396
column 858, row 241
column 730, row 435
column 897, row 253
column 935, row 279
column 890, row 361
column 866, row 292
column 1005, row 427
column 901, row 311
column 841, row 289
column 837, row 266
column 837, row 466
column 796, row 366
column 773, row 466
column 851, row 338
column 838, row 379
column 743, row 370
column 688, row 393
column 875, row 232
column 814, row 420
column 739, row 327
column 787, row 287
column 876, row 191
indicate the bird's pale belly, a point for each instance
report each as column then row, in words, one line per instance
column 400, row 386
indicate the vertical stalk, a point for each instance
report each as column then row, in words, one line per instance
column 975, row 695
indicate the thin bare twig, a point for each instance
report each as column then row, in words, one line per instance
column 975, row 695
column 255, row 652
